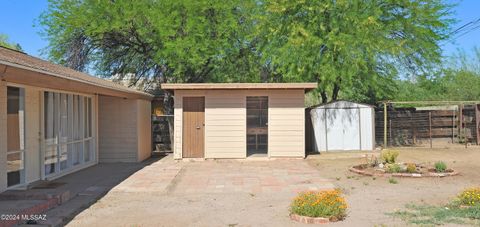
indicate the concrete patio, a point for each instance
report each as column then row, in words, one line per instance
column 159, row 180
column 206, row 193
column 81, row 188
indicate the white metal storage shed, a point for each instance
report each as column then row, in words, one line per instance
column 343, row 126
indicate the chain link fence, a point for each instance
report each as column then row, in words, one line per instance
column 440, row 124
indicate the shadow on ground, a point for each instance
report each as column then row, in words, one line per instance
column 63, row 198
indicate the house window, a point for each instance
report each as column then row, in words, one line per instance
column 68, row 134
column 15, row 136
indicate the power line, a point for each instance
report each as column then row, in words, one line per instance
column 464, row 29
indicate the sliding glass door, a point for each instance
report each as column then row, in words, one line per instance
column 68, row 131
column 15, row 136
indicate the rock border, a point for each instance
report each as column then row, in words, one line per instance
column 309, row 220
column 412, row 175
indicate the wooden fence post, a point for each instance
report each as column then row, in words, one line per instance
column 385, row 124
column 430, row 127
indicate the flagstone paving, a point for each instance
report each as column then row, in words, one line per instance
column 274, row 176
column 228, row 176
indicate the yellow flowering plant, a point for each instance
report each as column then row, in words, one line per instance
column 327, row 204
column 470, row 197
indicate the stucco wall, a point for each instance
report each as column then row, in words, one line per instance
column 225, row 122
column 3, row 136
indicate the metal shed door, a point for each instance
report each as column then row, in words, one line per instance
column 193, row 127
column 343, row 129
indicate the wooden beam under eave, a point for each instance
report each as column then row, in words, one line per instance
column 32, row 78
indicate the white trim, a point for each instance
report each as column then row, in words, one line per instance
column 43, row 89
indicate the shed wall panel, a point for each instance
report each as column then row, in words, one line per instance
column 286, row 114
column 367, row 127
column 225, row 122
column 344, row 126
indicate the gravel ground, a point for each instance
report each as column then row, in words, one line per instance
column 371, row 198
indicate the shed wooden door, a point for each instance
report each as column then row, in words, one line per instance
column 193, row 127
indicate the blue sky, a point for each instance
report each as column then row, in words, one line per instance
column 18, row 22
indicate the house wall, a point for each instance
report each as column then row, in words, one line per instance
column 3, row 135
column 117, row 129
column 225, row 122
column 124, row 129
column 144, row 126
column 127, row 131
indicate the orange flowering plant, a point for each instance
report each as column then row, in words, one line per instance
column 327, row 204
column 470, row 197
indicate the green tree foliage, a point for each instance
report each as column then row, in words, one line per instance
column 353, row 49
column 457, row 81
column 5, row 42
column 175, row 41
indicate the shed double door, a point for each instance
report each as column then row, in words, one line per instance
column 193, row 127
column 343, row 129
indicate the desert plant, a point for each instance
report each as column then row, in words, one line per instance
column 411, row 168
column 393, row 168
column 327, row 204
column 372, row 161
column 440, row 167
column 392, row 180
column 389, row 156
column 470, row 197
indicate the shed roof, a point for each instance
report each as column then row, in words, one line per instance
column 21, row 60
column 341, row 104
column 239, row 86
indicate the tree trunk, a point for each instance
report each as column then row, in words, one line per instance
column 324, row 97
column 336, row 89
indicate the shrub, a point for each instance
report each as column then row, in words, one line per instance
column 470, row 197
column 393, row 168
column 440, row 167
column 327, row 204
column 411, row 168
column 392, row 180
column 389, row 156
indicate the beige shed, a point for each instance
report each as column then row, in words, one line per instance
column 239, row 120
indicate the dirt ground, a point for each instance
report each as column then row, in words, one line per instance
column 369, row 198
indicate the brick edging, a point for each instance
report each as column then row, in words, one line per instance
column 309, row 220
column 34, row 210
column 51, row 201
column 412, row 175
